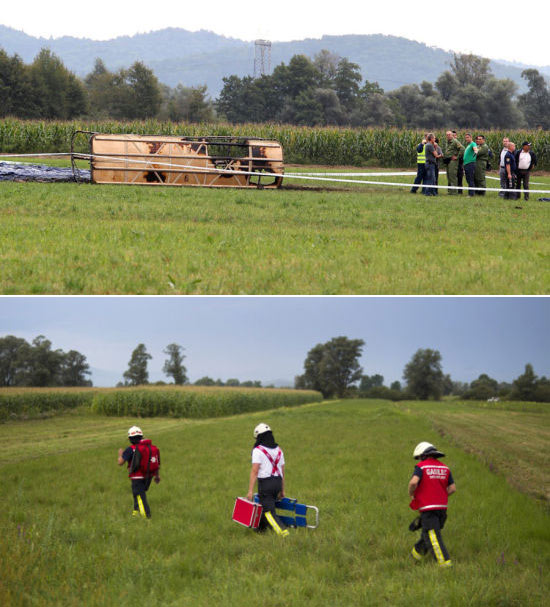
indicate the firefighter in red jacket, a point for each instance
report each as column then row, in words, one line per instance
column 143, row 460
column 430, row 487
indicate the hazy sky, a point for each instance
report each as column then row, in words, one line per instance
column 267, row 338
column 502, row 30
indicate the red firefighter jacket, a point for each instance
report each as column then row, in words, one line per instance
column 431, row 493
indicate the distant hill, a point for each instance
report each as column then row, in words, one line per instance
column 197, row 58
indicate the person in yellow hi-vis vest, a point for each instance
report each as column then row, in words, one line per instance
column 420, row 166
column 268, row 468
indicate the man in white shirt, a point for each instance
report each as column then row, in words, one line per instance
column 502, row 169
column 525, row 160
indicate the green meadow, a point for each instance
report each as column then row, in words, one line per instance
column 68, row 537
column 307, row 238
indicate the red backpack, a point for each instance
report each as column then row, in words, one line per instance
column 146, row 458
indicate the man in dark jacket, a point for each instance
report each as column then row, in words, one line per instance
column 525, row 161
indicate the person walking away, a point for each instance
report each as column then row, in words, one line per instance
column 511, row 172
column 420, row 166
column 526, row 161
column 431, row 156
column 460, row 167
column 143, row 459
column 470, row 153
column 502, row 167
column 430, row 487
column 439, row 160
column 482, row 158
column 453, row 149
column 268, row 468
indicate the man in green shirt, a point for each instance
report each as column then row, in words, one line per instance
column 453, row 148
column 470, row 154
column 482, row 159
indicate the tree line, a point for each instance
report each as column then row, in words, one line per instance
column 325, row 90
column 37, row 364
column 333, row 369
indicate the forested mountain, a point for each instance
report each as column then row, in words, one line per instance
column 197, row 58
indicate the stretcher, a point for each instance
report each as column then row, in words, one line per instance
column 294, row 514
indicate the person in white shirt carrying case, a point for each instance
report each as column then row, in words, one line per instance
column 268, row 468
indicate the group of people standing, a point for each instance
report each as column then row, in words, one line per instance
column 472, row 160
column 515, row 168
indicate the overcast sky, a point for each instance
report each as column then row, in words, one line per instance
column 502, row 30
column 267, row 338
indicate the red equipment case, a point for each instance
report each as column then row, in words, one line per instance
column 247, row 513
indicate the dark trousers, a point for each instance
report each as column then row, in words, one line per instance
column 429, row 180
column 503, row 178
column 420, row 177
column 469, row 171
column 432, row 522
column 139, row 491
column 511, row 184
column 523, row 177
column 268, row 492
column 459, row 175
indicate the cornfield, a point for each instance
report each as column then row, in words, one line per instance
column 197, row 402
column 170, row 401
column 31, row 403
column 302, row 145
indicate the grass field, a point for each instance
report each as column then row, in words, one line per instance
column 73, row 239
column 69, row 539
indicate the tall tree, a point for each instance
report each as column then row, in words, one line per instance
column 346, row 83
column 326, row 64
column 137, row 374
column 424, row 375
column 470, row 69
column 145, row 89
column 525, row 386
column 332, row 367
column 16, row 94
column 173, row 367
column 44, row 364
column 74, row 369
column 536, row 102
column 14, row 356
column 57, row 91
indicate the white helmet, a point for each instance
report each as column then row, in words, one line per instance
column 134, row 431
column 425, row 448
column 260, row 429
